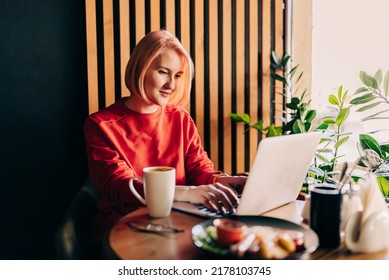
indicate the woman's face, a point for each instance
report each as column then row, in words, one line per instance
column 163, row 76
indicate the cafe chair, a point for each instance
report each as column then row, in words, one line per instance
column 72, row 238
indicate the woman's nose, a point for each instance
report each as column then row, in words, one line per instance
column 170, row 83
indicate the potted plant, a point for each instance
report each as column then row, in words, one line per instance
column 299, row 118
column 374, row 92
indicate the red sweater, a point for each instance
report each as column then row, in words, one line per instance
column 121, row 142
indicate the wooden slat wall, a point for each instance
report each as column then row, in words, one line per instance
column 230, row 42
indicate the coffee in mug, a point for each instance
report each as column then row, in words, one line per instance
column 159, row 184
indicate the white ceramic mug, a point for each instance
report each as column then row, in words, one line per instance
column 159, row 183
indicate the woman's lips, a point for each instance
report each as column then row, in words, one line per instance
column 165, row 94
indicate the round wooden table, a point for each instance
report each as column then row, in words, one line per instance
column 126, row 243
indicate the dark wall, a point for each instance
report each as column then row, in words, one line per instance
column 43, row 98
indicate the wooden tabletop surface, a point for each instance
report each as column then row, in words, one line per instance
column 126, row 243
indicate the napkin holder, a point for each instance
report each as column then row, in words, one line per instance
column 367, row 231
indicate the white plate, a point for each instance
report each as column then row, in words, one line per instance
column 311, row 240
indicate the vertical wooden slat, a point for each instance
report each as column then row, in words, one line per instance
column 170, row 16
column 155, row 15
column 253, row 55
column 266, row 51
column 213, row 77
column 279, row 49
column 227, row 90
column 140, row 18
column 124, row 10
column 185, row 23
column 185, row 30
column 240, row 77
column 91, row 41
column 109, row 60
column 199, row 63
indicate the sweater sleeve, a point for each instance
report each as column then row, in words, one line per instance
column 199, row 166
column 108, row 172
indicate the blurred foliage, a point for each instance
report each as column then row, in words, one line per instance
column 299, row 117
column 374, row 92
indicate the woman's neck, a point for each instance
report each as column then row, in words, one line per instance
column 139, row 105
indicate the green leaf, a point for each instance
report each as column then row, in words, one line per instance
column 278, row 130
column 326, row 139
column 384, row 185
column 344, row 97
column 245, row 118
column 310, row 115
column 385, row 148
column 258, row 125
column 317, row 171
column 322, row 158
column 298, row 127
column 307, row 126
column 333, row 172
column 368, row 80
column 295, row 100
column 324, row 150
column 279, row 78
column 235, row 117
column 336, row 158
column 293, row 71
column 340, row 90
column 345, row 133
column 374, row 118
column 273, row 131
column 291, row 106
column 341, row 141
column 367, row 107
column 285, row 60
column 276, row 58
column 323, row 127
column 378, row 76
column 363, row 99
column 362, row 90
column 299, row 77
column 342, row 116
column 386, row 84
column 362, row 74
column 333, row 100
column 368, row 142
column 303, row 94
column 371, row 117
column 329, row 121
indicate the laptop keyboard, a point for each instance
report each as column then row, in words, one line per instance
column 214, row 213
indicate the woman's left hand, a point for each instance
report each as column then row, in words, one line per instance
column 235, row 182
column 216, row 196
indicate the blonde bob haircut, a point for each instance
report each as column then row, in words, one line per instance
column 149, row 48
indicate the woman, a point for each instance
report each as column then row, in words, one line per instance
column 150, row 128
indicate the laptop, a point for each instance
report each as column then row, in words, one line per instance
column 280, row 166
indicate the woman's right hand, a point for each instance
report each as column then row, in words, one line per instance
column 217, row 197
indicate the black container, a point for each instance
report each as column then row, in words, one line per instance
column 325, row 214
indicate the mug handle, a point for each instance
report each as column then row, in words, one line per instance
column 133, row 190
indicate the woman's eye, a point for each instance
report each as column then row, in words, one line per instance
column 178, row 76
column 162, row 72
